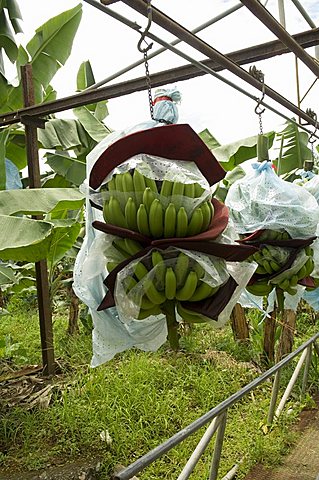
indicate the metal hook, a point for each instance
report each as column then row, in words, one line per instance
column 258, row 75
column 148, row 26
column 313, row 115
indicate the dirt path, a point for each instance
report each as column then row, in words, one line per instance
column 302, row 463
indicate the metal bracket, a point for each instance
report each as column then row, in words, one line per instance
column 33, row 121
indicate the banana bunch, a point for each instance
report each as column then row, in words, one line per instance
column 135, row 203
column 178, row 279
column 274, row 235
column 269, row 265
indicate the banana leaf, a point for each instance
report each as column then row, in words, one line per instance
column 60, row 134
column 24, row 239
column 39, row 201
column 209, row 139
column 7, row 275
column 48, row 51
column 235, row 153
column 72, row 169
column 63, row 237
column 85, row 78
column 291, row 145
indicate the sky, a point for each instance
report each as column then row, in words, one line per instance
column 206, row 101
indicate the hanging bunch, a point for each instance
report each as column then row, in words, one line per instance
column 161, row 226
column 281, row 219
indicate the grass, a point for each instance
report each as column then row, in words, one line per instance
column 122, row 409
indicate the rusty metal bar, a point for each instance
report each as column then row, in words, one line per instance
column 42, row 281
column 247, row 55
column 179, row 31
column 274, row 26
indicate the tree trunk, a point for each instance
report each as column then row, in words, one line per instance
column 2, row 302
column 239, row 324
column 73, row 326
column 269, row 338
column 287, row 334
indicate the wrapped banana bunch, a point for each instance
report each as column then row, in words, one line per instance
column 283, row 263
column 154, row 208
column 145, row 285
column 280, row 218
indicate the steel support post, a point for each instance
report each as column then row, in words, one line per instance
column 291, row 383
column 273, row 400
column 218, row 447
column 199, row 450
column 44, row 305
column 306, row 369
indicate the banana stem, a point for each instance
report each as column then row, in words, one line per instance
column 168, row 308
column 280, row 299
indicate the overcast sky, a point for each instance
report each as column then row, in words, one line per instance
column 207, row 102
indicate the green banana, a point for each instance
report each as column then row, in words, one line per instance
column 111, row 265
column 148, row 198
column 260, row 270
column 129, row 283
column 181, row 269
column 142, row 220
column 200, row 271
column 189, row 190
column 170, row 221
column 152, row 293
column 308, row 251
column 156, row 219
column 195, row 225
column 111, row 185
column 159, row 269
column 146, row 304
column 120, row 245
column 128, row 183
column 178, row 188
column 302, row 273
column 203, row 291
column 116, row 214
column 149, row 182
column 131, row 246
column 166, row 188
column 139, row 186
column 130, row 214
column 155, row 310
column 140, row 271
column 267, row 267
column 190, row 316
column 106, row 212
column 189, row 287
column 119, row 182
column 274, row 266
column 208, row 213
column 181, row 223
column 198, row 190
column 170, row 283
column 260, row 289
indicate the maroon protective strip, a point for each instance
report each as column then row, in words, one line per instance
column 174, row 142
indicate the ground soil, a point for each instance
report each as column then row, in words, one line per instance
column 302, row 463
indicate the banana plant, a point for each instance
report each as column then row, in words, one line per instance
column 291, row 149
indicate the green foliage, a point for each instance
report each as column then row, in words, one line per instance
column 39, row 201
column 235, row 153
column 47, row 51
column 291, row 145
column 9, row 19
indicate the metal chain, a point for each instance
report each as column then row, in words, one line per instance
column 147, row 72
column 149, row 86
column 258, row 74
column 312, row 138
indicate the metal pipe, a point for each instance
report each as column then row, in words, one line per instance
column 306, row 370
column 232, row 472
column 291, row 383
column 199, row 450
column 273, row 400
column 180, row 436
column 218, row 448
column 163, row 49
column 282, row 16
column 274, row 26
column 304, row 13
column 179, row 31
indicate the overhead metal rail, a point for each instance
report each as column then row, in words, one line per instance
column 163, row 49
column 188, row 37
column 132, row 86
column 274, row 26
column 304, row 13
